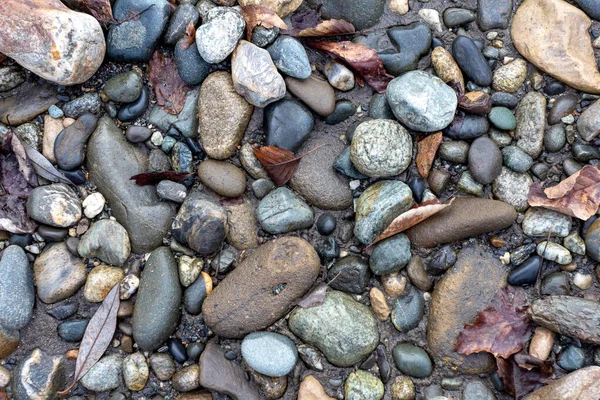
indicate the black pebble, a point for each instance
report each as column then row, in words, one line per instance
column 326, row 224
column 51, row 233
column 554, row 88
column 231, row 355
column 329, row 250
column 20, row 240
column 77, row 177
column 194, row 350
column 177, row 350
column 63, row 311
column 526, row 273
column 418, row 186
column 132, row 111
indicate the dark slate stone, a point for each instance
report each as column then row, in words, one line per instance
column 344, row 109
column 72, row 330
column 280, row 132
column 471, row 61
column 132, row 111
column 526, row 273
column 191, row 66
column 467, row 126
column 493, row 14
column 349, row 274
column 69, row 145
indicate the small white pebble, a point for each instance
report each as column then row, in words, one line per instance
column 156, row 138
column 93, row 204
column 505, row 259
column 354, row 184
column 582, row 281
column 492, row 35
column 569, row 119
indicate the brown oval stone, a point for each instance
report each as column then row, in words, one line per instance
column 222, row 177
column 446, row 68
column 315, row 92
column 263, row 288
column 466, row 217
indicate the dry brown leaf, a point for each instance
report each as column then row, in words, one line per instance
column 412, row 217
column 170, row 90
column 519, row 381
column 190, row 36
column 577, row 196
column 98, row 335
column 279, row 163
column 331, row 27
column 256, row 14
column 362, row 59
column 426, row 153
column 503, row 329
column 99, row 9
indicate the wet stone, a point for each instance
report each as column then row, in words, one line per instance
column 282, row 211
column 555, row 138
column 123, row 88
column 412, row 360
column 555, row 284
column 279, row 131
column 390, row 255
column 269, row 353
column 289, row 57
column 349, row 274
column 408, row 311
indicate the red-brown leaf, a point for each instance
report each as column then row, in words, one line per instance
column 519, row 381
column 152, row 178
column 362, row 59
column 426, row 153
column 332, row 27
column 98, row 335
column 256, row 14
column 99, row 9
column 577, row 196
column 190, row 36
column 169, row 89
column 503, row 329
column 279, row 163
column 412, row 217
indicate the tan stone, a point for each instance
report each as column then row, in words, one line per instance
column 509, row 77
column 378, row 304
column 243, row 226
column 553, row 35
column 393, row 284
column 9, row 340
column 50, row 40
column 541, row 343
column 446, row 67
column 311, row 389
column 399, row 6
column 52, row 127
column 578, row 385
column 100, row 281
column 281, row 7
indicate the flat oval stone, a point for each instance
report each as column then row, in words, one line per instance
column 485, row 160
column 279, row 131
column 156, row 311
column 58, row 273
column 222, row 177
column 290, row 57
column 390, row 255
column 281, row 211
column 123, row 88
column 132, row 111
column 526, row 273
column 17, row 294
column 471, row 61
column 588, row 124
column 343, row 329
column 412, row 360
column 69, row 145
column 191, row 66
column 315, row 92
column 493, row 14
column 269, row 353
column 422, row 101
column 467, row 126
column 502, row 118
column 454, row 16
column 245, row 301
column 72, row 330
column 563, row 106
column 56, row 205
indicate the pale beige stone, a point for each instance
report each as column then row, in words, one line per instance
column 393, row 284
column 399, row 6
column 553, row 35
column 52, row 128
column 311, row 389
column 379, row 304
column 541, row 343
column 281, row 7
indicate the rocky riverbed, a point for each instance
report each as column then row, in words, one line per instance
column 239, row 281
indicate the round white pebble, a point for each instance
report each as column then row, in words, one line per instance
column 93, row 204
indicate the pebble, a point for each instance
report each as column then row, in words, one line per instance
column 362, row 385
column 379, row 107
column 281, row 211
column 111, row 161
column 11, row 77
column 554, row 252
column 512, row 188
column 219, row 33
column 243, row 225
column 530, row 115
column 262, row 187
column 413, row 41
column 55, row 205
column 555, row 284
column 191, row 66
column 9, row 340
column 289, row 56
column 422, row 101
column 52, row 128
column 270, row 354
column 494, row 14
column 223, row 116
column 431, row 18
column 378, row 206
column 477, row 390
column 379, row 304
column 471, row 61
column 571, row 358
column 106, row 240
column 457, row 16
column 588, row 124
column 344, row 109
column 156, row 312
column 194, row 295
column 503, row 118
column 182, row 17
column 582, row 281
column 526, row 273
column 360, row 13
column 390, row 255
column 48, row 371
column 240, row 305
column 189, row 269
column 27, row 102
column 123, row 88
column 135, row 371
column 343, row 329
column 224, row 376
column 516, row 159
column 539, row 222
column 72, row 330
column 173, row 191
column 339, row 76
column 446, row 67
column 184, row 123
column 262, row 37
column 408, row 311
column 100, row 281
column 417, row 274
column 510, row 77
column 315, row 92
column 311, row 389
column 17, row 294
column 4, row 377
column 87, row 103
column 485, row 160
column 282, row 134
column 454, row 304
column 541, row 343
column 131, row 111
column 574, row 243
column 58, row 273
column 412, row 360
column 186, row 379
column 93, row 205
column 222, row 177
column 455, row 151
column 105, row 375
column 326, row 224
column 162, row 365
column 349, row 274
column 381, row 148
column 201, row 223
column 467, row 126
column 562, row 107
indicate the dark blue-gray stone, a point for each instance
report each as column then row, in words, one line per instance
column 555, row 284
column 408, row 310
column 17, row 295
column 379, row 107
column 72, row 330
column 156, row 311
column 590, row 7
column 184, row 15
column 504, row 99
column 194, row 296
column 344, row 109
column 390, row 255
column 467, row 126
column 134, row 39
column 471, row 61
column 412, row 360
column 516, row 159
column 343, row 164
column 289, row 56
column 493, row 14
column 69, row 147
column 349, row 274
column 526, row 273
column 132, row 111
column 191, row 66
column 571, row 358
column 454, row 16
column 412, row 41
column 555, row 138
column 280, row 132
column 186, row 122
column 281, row 211
column 181, row 158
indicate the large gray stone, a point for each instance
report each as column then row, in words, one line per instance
column 360, row 13
column 17, row 295
column 111, row 161
column 219, row 33
column 588, row 123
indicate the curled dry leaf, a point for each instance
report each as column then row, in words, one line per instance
column 503, row 329
column 577, row 196
column 412, row 217
column 190, row 36
column 523, row 377
column 255, row 15
column 361, row 58
column 99, row 9
column 426, row 153
column 314, row 298
column 170, row 90
column 152, row 178
column 43, row 167
column 279, row 163
column 332, row 27
column 98, row 335
column 24, row 164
